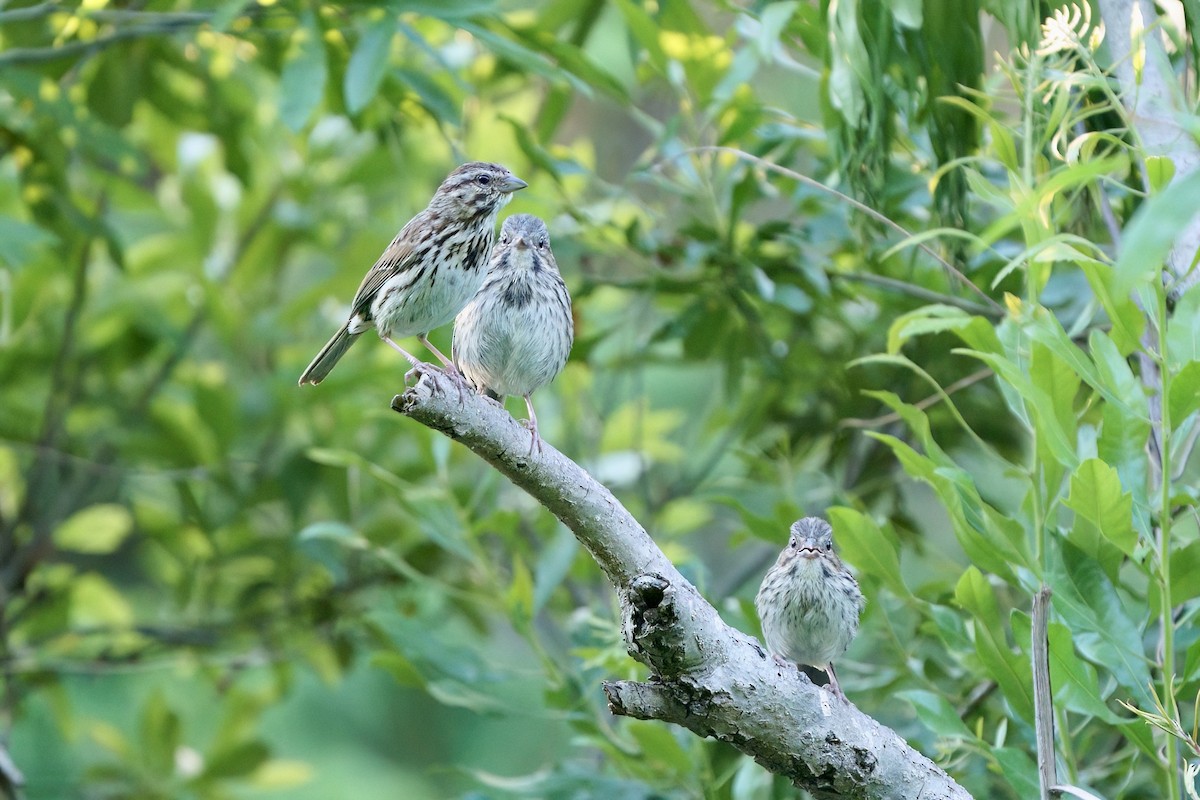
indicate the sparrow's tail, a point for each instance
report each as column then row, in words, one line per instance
column 333, row 350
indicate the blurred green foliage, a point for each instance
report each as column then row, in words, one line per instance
column 216, row 585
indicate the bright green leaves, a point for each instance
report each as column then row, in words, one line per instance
column 991, row 539
column 1088, row 604
column 159, row 737
column 936, row 714
column 974, row 330
column 1073, row 679
column 369, row 61
column 1183, row 332
column 1152, row 231
column 868, row 548
column 96, row 529
column 302, row 82
column 1103, row 515
column 1008, row 668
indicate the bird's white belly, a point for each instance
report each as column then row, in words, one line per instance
column 407, row 307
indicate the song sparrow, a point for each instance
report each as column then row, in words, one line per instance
column 515, row 334
column 430, row 270
column 809, row 602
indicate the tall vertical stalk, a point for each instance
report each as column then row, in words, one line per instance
column 1164, row 539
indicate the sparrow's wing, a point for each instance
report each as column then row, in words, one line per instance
column 399, row 256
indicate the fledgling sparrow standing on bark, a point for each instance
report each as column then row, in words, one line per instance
column 430, row 270
column 515, row 334
column 809, row 603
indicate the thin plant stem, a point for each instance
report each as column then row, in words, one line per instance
column 1164, row 544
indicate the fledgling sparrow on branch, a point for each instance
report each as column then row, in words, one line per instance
column 516, row 333
column 809, row 603
column 431, row 269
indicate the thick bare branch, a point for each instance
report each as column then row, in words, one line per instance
column 706, row 676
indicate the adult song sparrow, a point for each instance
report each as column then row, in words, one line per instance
column 809, row 602
column 515, row 334
column 430, row 270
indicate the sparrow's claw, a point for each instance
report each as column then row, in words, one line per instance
column 422, row 369
column 459, row 380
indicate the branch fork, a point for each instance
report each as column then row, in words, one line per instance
column 705, row 676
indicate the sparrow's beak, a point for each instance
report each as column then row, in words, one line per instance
column 520, row 243
column 511, row 184
column 808, row 548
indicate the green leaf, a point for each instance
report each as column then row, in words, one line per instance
column 936, row 714
column 1184, row 399
column 278, row 774
column 96, row 602
column 576, row 62
column 20, row 241
column 368, row 63
column 403, row 671
column 1185, row 573
column 865, row 546
column 1019, row 770
column 1110, row 374
column 237, row 760
column 848, row 60
column 1151, row 233
column 1122, row 444
column 1114, row 379
column 1044, row 418
column 1183, row 332
column 440, row 9
column 326, row 543
column 645, row 31
column 950, row 627
column 1127, row 319
column 1103, row 630
column 973, row 330
column 553, row 565
column 1009, row 670
column 302, row 83
column 520, row 594
column 159, row 732
column 1059, row 380
column 1073, row 679
column 960, row 503
column 524, row 58
column 1159, row 171
column 659, row 746
column 1096, row 496
column 334, row 531
column 459, row 695
column 433, row 97
column 907, row 13
column 96, row 529
column 1191, row 670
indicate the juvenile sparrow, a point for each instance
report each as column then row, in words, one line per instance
column 430, row 270
column 515, row 334
column 809, row 603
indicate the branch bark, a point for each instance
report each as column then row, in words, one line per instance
column 706, row 676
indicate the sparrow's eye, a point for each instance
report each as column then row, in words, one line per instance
column 504, row 239
column 793, row 543
column 828, row 544
column 543, row 244
column 483, row 180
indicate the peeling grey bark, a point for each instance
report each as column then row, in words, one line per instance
column 706, row 676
